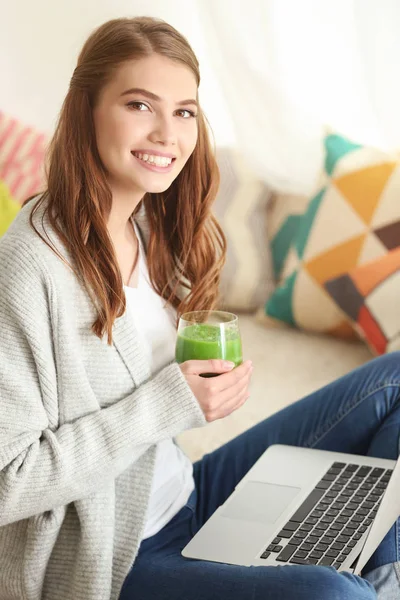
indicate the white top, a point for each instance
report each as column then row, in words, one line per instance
column 173, row 477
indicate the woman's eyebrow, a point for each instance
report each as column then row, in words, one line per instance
column 152, row 96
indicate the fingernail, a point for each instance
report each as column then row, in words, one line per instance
column 228, row 364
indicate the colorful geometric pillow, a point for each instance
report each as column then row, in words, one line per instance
column 22, row 152
column 241, row 208
column 9, row 208
column 369, row 296
column 354, row 218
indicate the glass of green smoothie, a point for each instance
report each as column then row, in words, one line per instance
column 206, row 334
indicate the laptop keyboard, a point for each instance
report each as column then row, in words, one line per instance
column 331, row 520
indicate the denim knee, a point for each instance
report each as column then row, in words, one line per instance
column 356, row 588
column 351, row 587
column 331, row 585
column 389, row 362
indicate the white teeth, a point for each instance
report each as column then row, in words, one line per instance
column 159, row 161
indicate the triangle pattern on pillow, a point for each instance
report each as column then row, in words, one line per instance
column 336, row 260
column 336, row 147
column 363, row 188
column 335, row 223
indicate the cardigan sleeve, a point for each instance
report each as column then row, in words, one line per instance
column 42, row 467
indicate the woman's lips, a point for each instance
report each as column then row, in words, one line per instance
column 152, row 167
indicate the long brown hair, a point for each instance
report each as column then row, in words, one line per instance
column 186, row 246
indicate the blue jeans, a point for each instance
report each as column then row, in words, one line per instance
column 359, row 414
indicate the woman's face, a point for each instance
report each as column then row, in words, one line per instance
column 146, row 125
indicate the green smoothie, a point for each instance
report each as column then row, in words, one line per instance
column 202, row 342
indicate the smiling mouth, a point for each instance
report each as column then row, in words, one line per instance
column 156, row 161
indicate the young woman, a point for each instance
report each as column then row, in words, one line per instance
column 96, row 499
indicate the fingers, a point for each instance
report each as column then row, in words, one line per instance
column 232, row 394
column 228, row 381
column 214, row 365
column 230, row 406
column 218, row 396
column 230, row 399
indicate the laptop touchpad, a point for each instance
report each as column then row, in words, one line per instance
column 259, row 501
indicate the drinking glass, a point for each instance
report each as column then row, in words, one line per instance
column 206, row 334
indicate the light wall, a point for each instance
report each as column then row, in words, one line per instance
column 40, row 41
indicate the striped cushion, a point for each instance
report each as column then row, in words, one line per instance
column 241, row 208
column 21, row 157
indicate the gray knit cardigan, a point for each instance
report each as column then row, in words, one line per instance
column 79, row 421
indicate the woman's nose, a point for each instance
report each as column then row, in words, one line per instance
column 164, row 132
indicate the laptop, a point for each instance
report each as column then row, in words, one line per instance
column 301, row 506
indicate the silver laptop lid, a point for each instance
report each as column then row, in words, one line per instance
column 388, row 512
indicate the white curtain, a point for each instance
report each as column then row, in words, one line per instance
column 290, row 69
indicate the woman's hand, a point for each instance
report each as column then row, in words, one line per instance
column 218, row 396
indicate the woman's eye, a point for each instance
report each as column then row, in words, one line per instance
column 140, row 106
column 187, row 113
